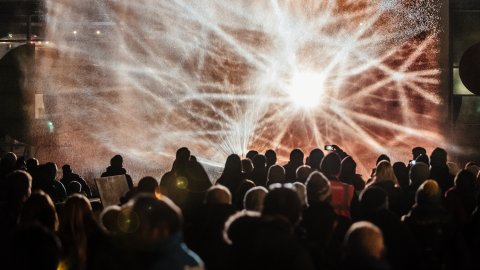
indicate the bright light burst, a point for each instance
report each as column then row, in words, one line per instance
column 222, row 77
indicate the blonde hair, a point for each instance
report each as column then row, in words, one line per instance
column 384, row 173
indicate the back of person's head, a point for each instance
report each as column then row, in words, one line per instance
column 76, row 212
column 402, row 173
column 348, row 167
column 465, row 182
column 233, row 165
column 438, row 157
column 429, row 193
column 271, row 157
column 239, row 227
column 382, row 157
column 276, row 174
column 423, row 158
column 251, row 154
column 417, row 151
column 157, row 218
column 301, row 190
column 51, row 170
column 147, row 184
column 318, row 188
column 373, row 199
column 282, row 200
column 34, row 248
column 8, row 161
column 472, row 167
column 253, row 199
column 74, row 187
column 259, row 161
column 419, row 173
column 315, row 158
column 109, row 218
column 66, row 169
column 241, row 191
column 39, row 208
column 364, row 240
column 247, row 165
column 183, row 154
column 218, row 194
column 18, row 186
column 302, row 173
column 32, row 164
column 296, row 156
column 116, row 161
column 331, row 165
column 384, row 173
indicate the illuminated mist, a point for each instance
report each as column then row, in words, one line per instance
column 223, row 77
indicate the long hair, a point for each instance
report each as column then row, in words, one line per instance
column 384, row 173
column 77, row 217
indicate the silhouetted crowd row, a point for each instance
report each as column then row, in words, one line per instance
column 312, row 213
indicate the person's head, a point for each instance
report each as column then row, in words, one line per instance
column 282, row 200
column 401, row 172
column 66, row 169
column 423, row 158
column 318, row 188
column 241, row 191
column 251, row 154
column 39, row 208
column 253, row 199
column 417, row 151
column 218, row 194
column 276, row 174
column 116, row 161
column 314, row 158
column 472, row 167
column 157, row 219
column 331, row 165
column 51, row 170
column 373, row 199
column 32, row 164
column 296, row 156
column 438, row 157
column 271, row 157
column 239, row 227
column 382, row 157
column 148, row 184
column 364, row 240
column 75, row 213
column 302, row 173
column 233, row 165
column 259, row 161
column 419, row 173
column 18, row 187
column 109, row 218
column 429, row 193
column 247, row 166
column 74, row 187
column 384, row 173
column 301, row 190
column 348, row 167
column 8, row 161
column 465, row 181
column 34, row 247
column 182, row 155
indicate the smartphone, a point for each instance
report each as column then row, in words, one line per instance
column 329, row 148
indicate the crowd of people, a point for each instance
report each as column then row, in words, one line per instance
column 314, row 212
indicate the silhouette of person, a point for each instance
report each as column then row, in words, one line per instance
column 296, row 160
column 116, row 168
column 69, row 176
